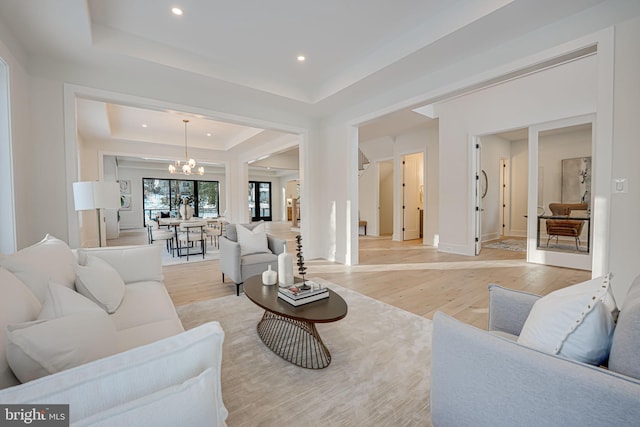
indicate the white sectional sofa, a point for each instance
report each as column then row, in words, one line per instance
column 96, row 329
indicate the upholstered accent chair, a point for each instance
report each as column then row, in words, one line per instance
column 239, row 267
column 565, row 227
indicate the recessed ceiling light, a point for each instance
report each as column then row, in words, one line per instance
column 144, row 125
column 208, row 133
column 176, row 11
column 301, row 58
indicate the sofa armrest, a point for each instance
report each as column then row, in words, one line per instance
column 276, row 245
column 134, row 375
column 481, row 379
column 230, row 259
column 134, row 263
column 509, row 309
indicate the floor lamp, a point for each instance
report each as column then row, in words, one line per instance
column 90, row 195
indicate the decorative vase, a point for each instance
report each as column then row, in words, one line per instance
column 186, row 212
column 269, row 277
column 285, row 268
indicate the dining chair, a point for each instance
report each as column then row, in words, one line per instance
column 155, row 233
column 188, row 235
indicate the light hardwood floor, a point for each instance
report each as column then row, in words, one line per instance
column 407, row 275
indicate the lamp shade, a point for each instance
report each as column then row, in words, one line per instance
column 89, row 195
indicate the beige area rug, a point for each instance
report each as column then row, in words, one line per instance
column 379, row 373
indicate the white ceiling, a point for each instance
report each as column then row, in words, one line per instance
column 97, row 119
column 351, row 47
column 255, row 43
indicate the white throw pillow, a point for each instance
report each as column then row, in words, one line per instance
column 252, row 241
column 101, row 283
column 186, row 404
column 17, row 304
column 133, row 263
column 60, row 301
column 70, row 331
column 576, row 322
column 35, row 266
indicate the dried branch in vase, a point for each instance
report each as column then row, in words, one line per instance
column 301, row 268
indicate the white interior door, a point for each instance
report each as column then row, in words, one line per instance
column 412, row 178
column 480, row 187
column 505, row 197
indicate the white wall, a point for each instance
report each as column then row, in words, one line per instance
column 11, row 127
column 564, row 91
column 625, row 229
column 552, row 150
column 519, row 187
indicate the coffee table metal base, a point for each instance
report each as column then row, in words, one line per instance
column 296, row 341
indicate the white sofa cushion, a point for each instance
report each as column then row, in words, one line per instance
column 575, row 322
column 49, row 259
column 134, row 264
column 70, row 331
column 145, row 315
column 17, row 304
column 101, row 283
column 252, row 241
column 186, row 404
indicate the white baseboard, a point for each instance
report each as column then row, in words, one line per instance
column 518, row 233
column 490, row 236
column 457, row 249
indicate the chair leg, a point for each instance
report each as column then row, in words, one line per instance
column 222, row 277
column 238, row 289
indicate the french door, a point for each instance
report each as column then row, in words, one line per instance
column 260, row 200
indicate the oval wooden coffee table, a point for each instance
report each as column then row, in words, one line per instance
column 289, row 331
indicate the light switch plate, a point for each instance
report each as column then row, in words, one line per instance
column 620, row 185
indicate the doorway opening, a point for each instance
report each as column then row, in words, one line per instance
column 523, row 174
column 412, row 196
column 502, row 188
column 260, row 200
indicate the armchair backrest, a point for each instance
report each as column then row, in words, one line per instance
column 232, row 234
column 566, row 208
column 184, row 226
column 625, row 347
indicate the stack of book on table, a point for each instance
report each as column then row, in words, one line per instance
column 296, row 296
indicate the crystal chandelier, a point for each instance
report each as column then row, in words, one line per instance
column 189, row 165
